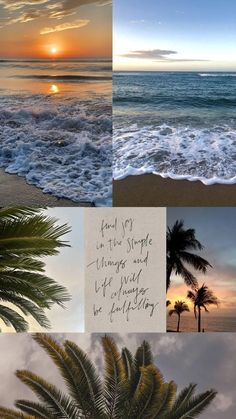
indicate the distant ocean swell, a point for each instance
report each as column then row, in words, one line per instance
column 184, row 152
column 61, row 146
column 62, row 77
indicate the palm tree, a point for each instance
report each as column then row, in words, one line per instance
column 179, row 242
column 26, row 236
column 201, row 298
column 179, row 308
column 132, row 387
column 168, row 303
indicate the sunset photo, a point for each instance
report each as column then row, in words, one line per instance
column 55, row 107
column 177, row 376
column 174, row 103
column 201, row 269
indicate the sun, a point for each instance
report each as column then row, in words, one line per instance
column 54, row 50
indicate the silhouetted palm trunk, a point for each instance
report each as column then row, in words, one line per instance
column 168, row 274
column 178, row 323
column 199, row 319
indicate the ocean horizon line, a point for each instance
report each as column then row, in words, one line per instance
column 50, row 60
column 177, row 71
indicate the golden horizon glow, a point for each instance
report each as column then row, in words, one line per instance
column 23, row 38
column 226, row 297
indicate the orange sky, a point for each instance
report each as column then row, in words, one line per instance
column 73, row 29
column 226, row 296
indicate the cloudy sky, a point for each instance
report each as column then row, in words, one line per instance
column 67, row 268
column 174, row 35
column 63, row 29
column 215, row 229
column 207, row 360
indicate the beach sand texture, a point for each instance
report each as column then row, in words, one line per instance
column 151, row 190
column 15, row 191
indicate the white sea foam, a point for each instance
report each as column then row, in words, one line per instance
column 59, row 144
column 217, row 74
column 208, row 155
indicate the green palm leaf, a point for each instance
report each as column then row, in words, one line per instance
column 27, row 235
column 12, row 318
column 114, row 379
column 58, row 404
column 35, row 409
column 119, row 397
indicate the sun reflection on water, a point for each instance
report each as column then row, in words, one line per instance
column 54, row 89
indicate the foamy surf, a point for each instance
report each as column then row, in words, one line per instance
column 59, row 144
column 204, row 154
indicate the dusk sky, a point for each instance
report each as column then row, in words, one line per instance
column 207, row 360
column 215, row 229
column 174, row 35
column 67, row 268
column 48, row 28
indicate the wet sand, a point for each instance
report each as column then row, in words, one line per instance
column 15, row 191
column 153, row 191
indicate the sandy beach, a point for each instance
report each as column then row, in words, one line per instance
column 15, row 191
column 152, row 190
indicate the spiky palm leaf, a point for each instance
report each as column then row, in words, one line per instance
column 179, row 243
column 133, row 387
column 26, row 235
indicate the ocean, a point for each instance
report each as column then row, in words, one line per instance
column 179, row 125
column 210, row 323
column 56, row 126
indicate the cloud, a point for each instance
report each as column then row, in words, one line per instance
column 24, row 17
column 65, row 26
column 222, row 402
column 50, row 9
column 157, row 55
column 141, row 21
column 18, row 4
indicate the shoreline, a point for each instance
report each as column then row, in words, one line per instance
column 150, row 190
column 14, row 190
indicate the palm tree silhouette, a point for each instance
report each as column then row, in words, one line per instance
column 27, row 235
column 179, row 308
column 132, row 388
column 201, row 298
column 179, row 242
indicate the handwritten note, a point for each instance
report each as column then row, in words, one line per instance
column 125, row 270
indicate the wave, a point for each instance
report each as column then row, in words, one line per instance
column 205, row 154
column 63, row 77
column 62, row 147
column 173, row 100
column 217, row 74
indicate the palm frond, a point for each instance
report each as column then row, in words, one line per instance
column 12, row 318
column 115, row 383
column 60, row 405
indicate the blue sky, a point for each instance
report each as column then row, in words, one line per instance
column 176, row 35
